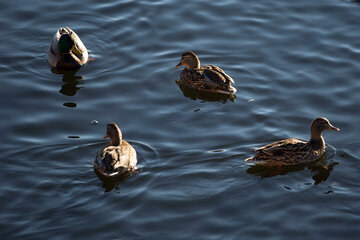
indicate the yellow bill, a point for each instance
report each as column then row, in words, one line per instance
column 76, row 50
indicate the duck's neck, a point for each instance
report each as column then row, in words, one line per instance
column 116, row 139
column 115, row 142
column 316, row 139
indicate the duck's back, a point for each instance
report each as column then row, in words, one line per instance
column 208, row 78
column 113, row 159
column 217, row 75
column 286, row 152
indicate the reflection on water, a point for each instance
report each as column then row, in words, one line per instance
column 210, row 97
column 321, row 169
column 70, row 104
column 74, row 137
column 70, row 82
column 111, row 183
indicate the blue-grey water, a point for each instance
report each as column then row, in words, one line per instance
column 291, row 60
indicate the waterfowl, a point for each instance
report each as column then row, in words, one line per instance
column 67, row 52
column 208, row 78
column 293, row 151
column 118, row 157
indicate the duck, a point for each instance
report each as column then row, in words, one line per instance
column 67, row 51
column 208, row 78
column 294, row 151
column 118, row 157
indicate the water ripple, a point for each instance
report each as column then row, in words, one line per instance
column 291, row 62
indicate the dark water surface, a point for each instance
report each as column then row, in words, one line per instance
column 291, row 60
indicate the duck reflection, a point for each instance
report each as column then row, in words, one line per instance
column 210, row 97
column 321, row 170
column 71, row 82
column 110, row 183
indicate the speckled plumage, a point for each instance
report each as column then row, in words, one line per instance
column 118, row 158
column 208, row 78
column 293, row 151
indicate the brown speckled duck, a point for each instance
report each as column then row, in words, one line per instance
column 207, row 78
column 67, row 51
column 118, row 157
column 293, row 151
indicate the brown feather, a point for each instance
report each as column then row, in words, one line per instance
column 118, row 157
column 209, row 78
column 293, row 151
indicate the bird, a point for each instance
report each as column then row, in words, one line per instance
column 67, row 51
column 118, row 157
column 208, row 78
column 294, row 151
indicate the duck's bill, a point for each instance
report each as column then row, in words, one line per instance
column 76, row 50
column 106, row 136
column 331, row 127
column 179, row 64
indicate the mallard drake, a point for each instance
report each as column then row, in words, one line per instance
column 293, row 151
column 208, row 78
column 67, row 52
column 118, row 157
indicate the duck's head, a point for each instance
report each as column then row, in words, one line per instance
column 66, row 43
column 113, row 132
column 319, row 125
column 189, row 60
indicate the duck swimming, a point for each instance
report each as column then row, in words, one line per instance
column 118, row 157
column 293, row 151
column 67, row 52
column 208, row 78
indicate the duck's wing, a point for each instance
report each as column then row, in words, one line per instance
column 280, row 144
column 286, row 151
column 217, row 75
column 107, row 158
column 282, row 147
column 115, row 160
column 126, row 156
